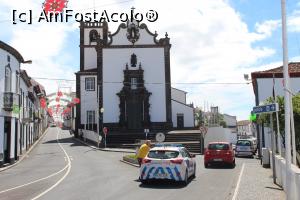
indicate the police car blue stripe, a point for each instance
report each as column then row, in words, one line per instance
column 157, row 170
column 171, row 173
column 149, row 172
column 143, row 172
column 178, row 173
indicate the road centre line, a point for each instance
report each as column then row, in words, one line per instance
column 65, row 175
column 35, row 181
column 236, row 191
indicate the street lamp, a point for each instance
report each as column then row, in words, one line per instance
column 27, row 62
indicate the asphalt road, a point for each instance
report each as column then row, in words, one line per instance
column 61, row 168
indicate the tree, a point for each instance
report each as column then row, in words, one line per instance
column 265, row 118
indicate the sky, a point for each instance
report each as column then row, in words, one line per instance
column 213, row 41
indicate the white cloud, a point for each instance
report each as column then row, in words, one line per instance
column 210, row 43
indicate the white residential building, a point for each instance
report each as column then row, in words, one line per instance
column 19, row 99
column 263, row 84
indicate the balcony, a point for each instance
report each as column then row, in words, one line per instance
column 10, row 100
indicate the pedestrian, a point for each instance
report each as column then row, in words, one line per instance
column 143, row 151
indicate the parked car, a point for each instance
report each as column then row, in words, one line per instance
column 219, row 152
column 168, row 162
column 245, row 147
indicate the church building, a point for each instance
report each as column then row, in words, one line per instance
column 124, row 82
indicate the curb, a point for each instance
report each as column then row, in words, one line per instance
column 129, row 163
column 25, row 154
column 103, row 149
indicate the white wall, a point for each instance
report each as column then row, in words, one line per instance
column 88, row 99
column 188, row 113
column 178, row 95
column 90, row 58
column 154, row 72
column 1, row 135
column 12, row 138
column 281, row 177
column 121, row 38
column 265, row 87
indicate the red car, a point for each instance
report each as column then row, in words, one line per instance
column 219, row 152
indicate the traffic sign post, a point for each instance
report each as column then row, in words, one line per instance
column 105, row 131
column 269, row 108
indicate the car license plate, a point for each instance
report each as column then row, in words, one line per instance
column 218, row 159
column 161, row 175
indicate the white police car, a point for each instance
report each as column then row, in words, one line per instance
column 168, row 162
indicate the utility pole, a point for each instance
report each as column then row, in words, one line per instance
column 287, row 106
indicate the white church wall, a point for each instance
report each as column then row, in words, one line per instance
column 90, row 58
column 188, row 113
column 121, row 38
column 114, row 62
column 178, row 95
column 88, row 99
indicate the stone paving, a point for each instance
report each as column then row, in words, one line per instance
column 257, row 183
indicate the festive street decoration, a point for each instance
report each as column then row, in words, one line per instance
column 59, row 94
column 54, row 6
column 76, row 100
column 43, row 102
column 57, row 99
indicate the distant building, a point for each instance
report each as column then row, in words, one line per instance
column 231, row 122
column 245, row 128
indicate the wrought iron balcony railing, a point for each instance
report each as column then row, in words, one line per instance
column 10, row 100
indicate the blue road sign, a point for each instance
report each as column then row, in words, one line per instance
column 266, row 108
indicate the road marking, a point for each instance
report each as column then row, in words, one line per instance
column 236, row 191
column 35, row 181
column 65, row 175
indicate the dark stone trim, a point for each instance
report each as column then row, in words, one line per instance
column 99, row 85
column 256, row 75
column 78, row 106
column 168, row 84
column 127, row 46
column 81, row 46
column 12, row 51
column 92, row 24
column 153, row 126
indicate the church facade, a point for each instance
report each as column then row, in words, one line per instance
column 124, row 81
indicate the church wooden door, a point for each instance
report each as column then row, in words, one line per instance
column 134, row 112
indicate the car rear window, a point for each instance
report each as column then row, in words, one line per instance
column 218, row 147
column 243, row 143
column 160, row 154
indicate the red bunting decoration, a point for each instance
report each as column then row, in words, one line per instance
column 43, row 102
column 76, row 100
column 71, row 104
column 59, row 94
column 50, row 112
column 57, row 99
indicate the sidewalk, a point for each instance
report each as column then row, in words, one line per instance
column 257, row 183
column 25, row 154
